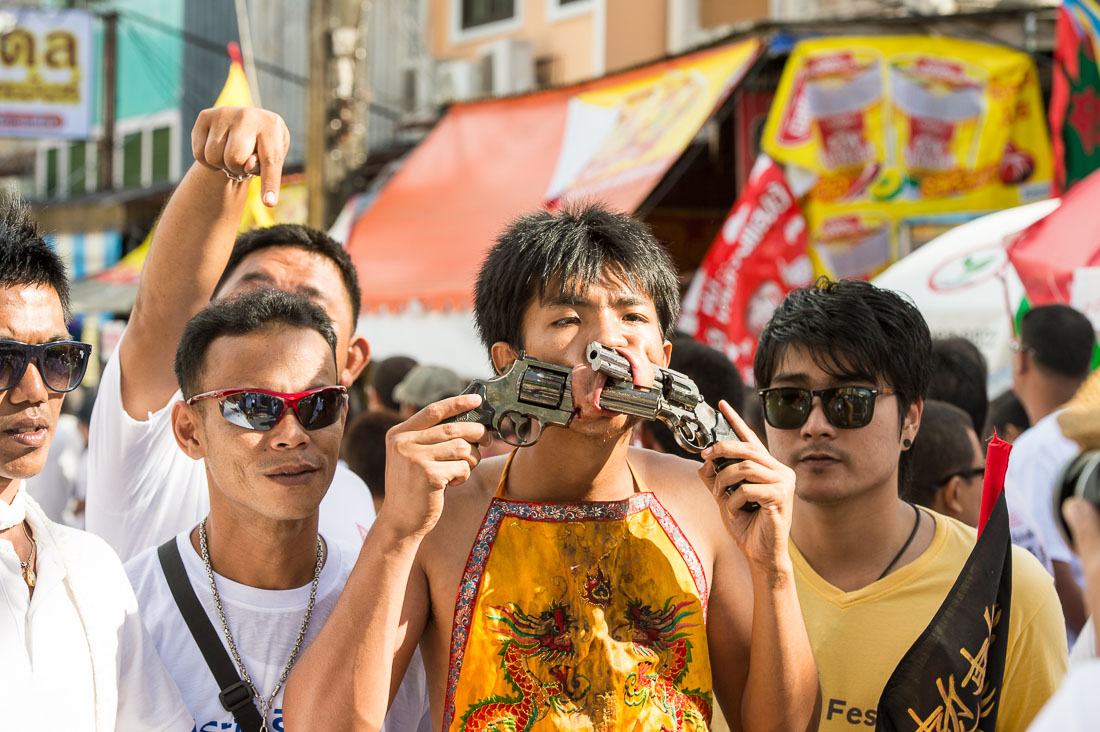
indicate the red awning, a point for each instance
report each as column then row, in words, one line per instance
column 486, row 162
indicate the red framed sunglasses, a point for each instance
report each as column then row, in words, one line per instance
column 261, row 410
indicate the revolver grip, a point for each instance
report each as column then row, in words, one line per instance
column 482, row 414
column 722, row 463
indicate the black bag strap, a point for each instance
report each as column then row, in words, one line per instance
column 235, row 695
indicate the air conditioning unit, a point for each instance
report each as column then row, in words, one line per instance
column 506, row 67
column 454, row 81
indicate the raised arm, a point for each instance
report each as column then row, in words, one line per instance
column 779, row 690
column 193, row 241
column 345, row 679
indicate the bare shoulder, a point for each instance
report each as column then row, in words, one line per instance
column 676, row 482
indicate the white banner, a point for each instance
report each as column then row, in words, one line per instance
column 46, row 73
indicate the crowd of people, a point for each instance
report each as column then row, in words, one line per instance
column 270, row 546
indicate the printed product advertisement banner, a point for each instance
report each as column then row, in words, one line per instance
column 620, row 138
column 897, row 128
column 45, row 74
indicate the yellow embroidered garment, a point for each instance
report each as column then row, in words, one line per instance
column 580, row 616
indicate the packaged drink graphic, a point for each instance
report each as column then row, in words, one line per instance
column 854, row 245
column 939, row 103
column 844, row 96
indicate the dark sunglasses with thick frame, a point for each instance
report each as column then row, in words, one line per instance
column 846, row 407
column 60, row 363
column 261, row 409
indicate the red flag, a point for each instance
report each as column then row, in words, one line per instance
column 996, row 464
column 758, row 257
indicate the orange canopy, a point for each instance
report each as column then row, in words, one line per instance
column 486, row 162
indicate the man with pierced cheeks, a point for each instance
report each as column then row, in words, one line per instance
column 594, row 587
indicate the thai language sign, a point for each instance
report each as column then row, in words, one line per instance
column 893, row 128
column 758, row 257
column 46, row 74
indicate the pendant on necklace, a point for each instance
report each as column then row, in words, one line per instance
column 28, row 574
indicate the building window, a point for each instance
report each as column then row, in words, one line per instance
column 53, row 173
column 78, row 169
column 162, row 155
column 131, row 160
column 482, row 12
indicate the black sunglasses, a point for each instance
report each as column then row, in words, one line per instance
column 846, row 407
column 61, row 363
column 965, row 474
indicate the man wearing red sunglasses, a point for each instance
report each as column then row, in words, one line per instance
column 75, row 653
column 141, row 488
column 264, row 413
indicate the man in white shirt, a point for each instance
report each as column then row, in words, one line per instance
column 263, row 411
column 76, row 655
column 1051, row 361
column 1074, row 707
column 141, row 488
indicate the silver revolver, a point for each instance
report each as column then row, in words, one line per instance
column 673, row 399
column 519, row 403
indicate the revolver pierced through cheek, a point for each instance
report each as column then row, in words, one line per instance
column 522, row 401
column 673, row 399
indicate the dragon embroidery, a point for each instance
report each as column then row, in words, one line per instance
column 545, row 637
column 654, row 633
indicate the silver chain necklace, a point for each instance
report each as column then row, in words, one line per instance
column 265, row 704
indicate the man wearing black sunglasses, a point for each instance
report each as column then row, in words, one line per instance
column 74, row 650
column 141, row 488
column 844, row 369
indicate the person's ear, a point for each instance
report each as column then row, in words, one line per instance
column 910, row 424
column 503, row 354
column 668, row 353
column 950, row 497
column 358, row 358
column 187, row 429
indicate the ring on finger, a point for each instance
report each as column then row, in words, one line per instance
column 238, row 178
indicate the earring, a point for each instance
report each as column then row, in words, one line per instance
column 906, row 443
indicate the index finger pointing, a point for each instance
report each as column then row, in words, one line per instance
column 271, row 154
column 740, row 427
column 433, row 414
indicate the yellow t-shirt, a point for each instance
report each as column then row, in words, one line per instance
column 859, row 637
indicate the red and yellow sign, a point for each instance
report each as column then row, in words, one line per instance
column 893, row 128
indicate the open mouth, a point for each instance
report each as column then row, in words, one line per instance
column 29, row 433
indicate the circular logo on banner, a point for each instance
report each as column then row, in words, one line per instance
column 968, row 270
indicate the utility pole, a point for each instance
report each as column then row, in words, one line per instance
column 336, row 134
column 110, row 85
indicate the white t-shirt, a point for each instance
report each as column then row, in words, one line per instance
column 143, row 490
column 1038, row 456
column 48, row 681
column 264, row 625
column 1076, row 705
